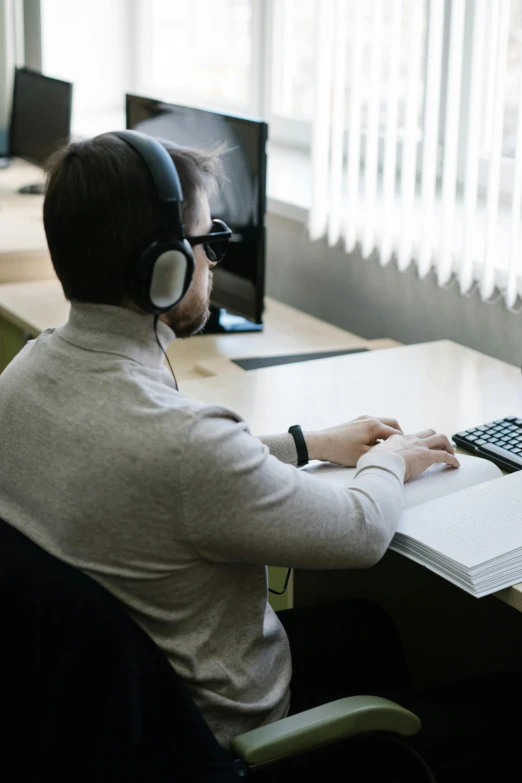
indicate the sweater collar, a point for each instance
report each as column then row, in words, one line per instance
column 117, row 330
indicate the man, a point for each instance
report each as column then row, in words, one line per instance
column 173, row 505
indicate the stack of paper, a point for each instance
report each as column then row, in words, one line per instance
column 473, row 538
column 465, row 524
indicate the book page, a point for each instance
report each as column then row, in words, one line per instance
column 435, row 482
column 472, row 526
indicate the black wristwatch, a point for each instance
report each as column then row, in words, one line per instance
column 302, row 452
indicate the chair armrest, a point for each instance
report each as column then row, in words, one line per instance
column 321, row 725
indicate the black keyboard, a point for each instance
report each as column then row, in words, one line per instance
column 499, row 441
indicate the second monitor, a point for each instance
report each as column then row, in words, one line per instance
column 239, row 280
column 40, row 118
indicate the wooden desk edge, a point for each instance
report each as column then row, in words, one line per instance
column 19, row 322
column 512, row 596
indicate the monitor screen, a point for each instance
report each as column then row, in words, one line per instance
column 41, row 115
column 241, row 200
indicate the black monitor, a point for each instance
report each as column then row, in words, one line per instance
column 40, row 117
column 239, row 280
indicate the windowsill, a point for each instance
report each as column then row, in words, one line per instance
column 289, row 183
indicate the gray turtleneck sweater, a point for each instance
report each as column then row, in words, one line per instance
column 174, row 506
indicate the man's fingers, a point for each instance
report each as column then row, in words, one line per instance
column 440, row 442
column 443, row 456
column 393, row 423
column 425, row 434
column 384, row 431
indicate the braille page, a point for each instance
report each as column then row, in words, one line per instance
column 435, row 482
column 471, row 526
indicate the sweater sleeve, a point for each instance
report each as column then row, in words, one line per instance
column 241, row 504
column 282, row 447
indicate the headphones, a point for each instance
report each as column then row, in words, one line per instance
column 162, row 272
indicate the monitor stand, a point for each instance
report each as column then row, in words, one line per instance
column 37, row 188
column 221, row 322
column 4, row 162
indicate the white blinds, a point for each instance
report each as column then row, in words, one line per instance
column 417, row 136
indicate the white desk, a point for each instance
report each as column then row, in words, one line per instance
column 446, row 632
column 30, row 308
column 438, row 385
column 23, row 247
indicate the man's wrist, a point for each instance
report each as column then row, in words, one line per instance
column 312, row 440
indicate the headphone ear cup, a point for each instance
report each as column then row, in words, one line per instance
column 162, row 275
column 172, row 274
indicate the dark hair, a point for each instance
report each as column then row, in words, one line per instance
column 99, row 208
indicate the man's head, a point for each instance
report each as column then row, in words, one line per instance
column 100, row 209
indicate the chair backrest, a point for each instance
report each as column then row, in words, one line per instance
column 87, row 694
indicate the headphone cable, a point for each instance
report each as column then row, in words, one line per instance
column 156, row 318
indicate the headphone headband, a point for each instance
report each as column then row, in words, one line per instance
column 159, row 163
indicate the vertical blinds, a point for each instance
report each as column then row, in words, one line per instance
column 409, row 137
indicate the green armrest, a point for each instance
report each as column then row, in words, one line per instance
column 321, row 725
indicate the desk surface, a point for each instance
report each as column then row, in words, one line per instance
column 440, row 385
column 23, row 247
column 35, row 306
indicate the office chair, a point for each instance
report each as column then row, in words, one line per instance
column 88, row 696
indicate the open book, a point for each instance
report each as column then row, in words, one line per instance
column 465, row 524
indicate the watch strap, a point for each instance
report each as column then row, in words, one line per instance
column 300, row 444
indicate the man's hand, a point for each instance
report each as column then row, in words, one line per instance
column 421, row 451
column 345, row 443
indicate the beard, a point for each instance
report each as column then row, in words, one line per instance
column 191, row 315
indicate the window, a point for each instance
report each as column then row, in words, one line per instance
column 294, row 58
column 403, row 67
column 94, row 56
column 197, row 52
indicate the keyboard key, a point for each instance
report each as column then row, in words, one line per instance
column 501, row 443
column 483, row 427
column 462, row 434
column 519, row 422
column 480, row 442
column 516, row 451
column 511, row 418
column 471, row 438
column 497, row 451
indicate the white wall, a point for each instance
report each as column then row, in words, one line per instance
column 361, row 296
